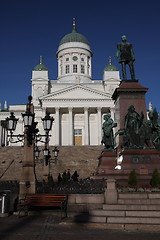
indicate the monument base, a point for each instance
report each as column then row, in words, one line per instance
column 143, row 161
column 107, row 162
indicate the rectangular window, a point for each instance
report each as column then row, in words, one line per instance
column 67, row 59
column 77, row 132
column 82, row 69
column 67, row 68
column 74, row 68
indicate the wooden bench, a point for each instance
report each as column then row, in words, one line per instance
column 43, row 200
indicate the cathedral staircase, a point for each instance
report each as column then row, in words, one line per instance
column 3, row 173
column 84, row 159
column 132, row 211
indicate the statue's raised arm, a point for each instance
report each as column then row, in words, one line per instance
column 126, row 56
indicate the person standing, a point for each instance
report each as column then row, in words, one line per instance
column 75, row 176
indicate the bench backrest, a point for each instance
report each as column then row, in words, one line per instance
column 45, row 199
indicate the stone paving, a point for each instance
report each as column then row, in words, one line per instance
column 49, row 227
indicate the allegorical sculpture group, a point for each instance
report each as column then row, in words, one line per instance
column 137, row 132
column 141, row 133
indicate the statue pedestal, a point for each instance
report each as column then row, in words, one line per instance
column 130, row 92
column 107, row 162
column 144, row 161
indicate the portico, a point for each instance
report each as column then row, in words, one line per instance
column 77, row 125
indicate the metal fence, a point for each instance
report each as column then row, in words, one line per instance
column 84, row 186
column 70, row 187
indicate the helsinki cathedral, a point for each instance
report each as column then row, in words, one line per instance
column 75, row 100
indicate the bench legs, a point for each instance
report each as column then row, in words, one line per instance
column 64, row 209
column 24, row 209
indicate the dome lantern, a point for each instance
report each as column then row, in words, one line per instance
column 74, row 36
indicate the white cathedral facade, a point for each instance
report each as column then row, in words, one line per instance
column 74, row 99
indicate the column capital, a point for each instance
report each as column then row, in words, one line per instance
column 57, row 109
column 99, row 108
column 86, row 108
column 112, row 109
column 70, row 108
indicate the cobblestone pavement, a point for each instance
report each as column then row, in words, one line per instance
column 48, row 227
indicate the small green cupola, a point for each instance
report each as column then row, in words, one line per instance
column 110, row 66
column 40, row 66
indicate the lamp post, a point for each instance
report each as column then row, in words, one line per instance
column 47, row 125
column 30, row 138
column 55, row 151
column 28, row 178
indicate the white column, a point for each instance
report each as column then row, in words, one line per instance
column 57, row 127
column 112, row 113
column 86, row 127
column 99, row 125
column 70, row 126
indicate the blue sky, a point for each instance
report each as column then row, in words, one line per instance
column 30, row 28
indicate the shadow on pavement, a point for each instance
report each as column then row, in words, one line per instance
column 83, row 217
column 12, row 225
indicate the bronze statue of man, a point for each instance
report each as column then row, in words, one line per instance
column 125, row 51
column 132, row 124
column 108, row 136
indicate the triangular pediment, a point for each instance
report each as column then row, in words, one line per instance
column 76, row 92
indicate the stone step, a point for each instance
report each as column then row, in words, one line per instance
column 133, row 220
column 125, row 220
column 140, row 195
column 121, row 213
column 139, row 201
column 137, row 207
column 133, row 195
column 106, row 213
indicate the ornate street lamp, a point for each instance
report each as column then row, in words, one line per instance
column 47, row 122
column 47, row 155
column 28, row 118
column 36, row 152
column 56, row 152
column 11, row 123
column 30, row 137
column 46, row 152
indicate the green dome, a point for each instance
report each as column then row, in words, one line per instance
column 40, row 67
column 110, row 67
column 74, row 37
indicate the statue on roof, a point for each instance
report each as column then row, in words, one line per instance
column 126, row 56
